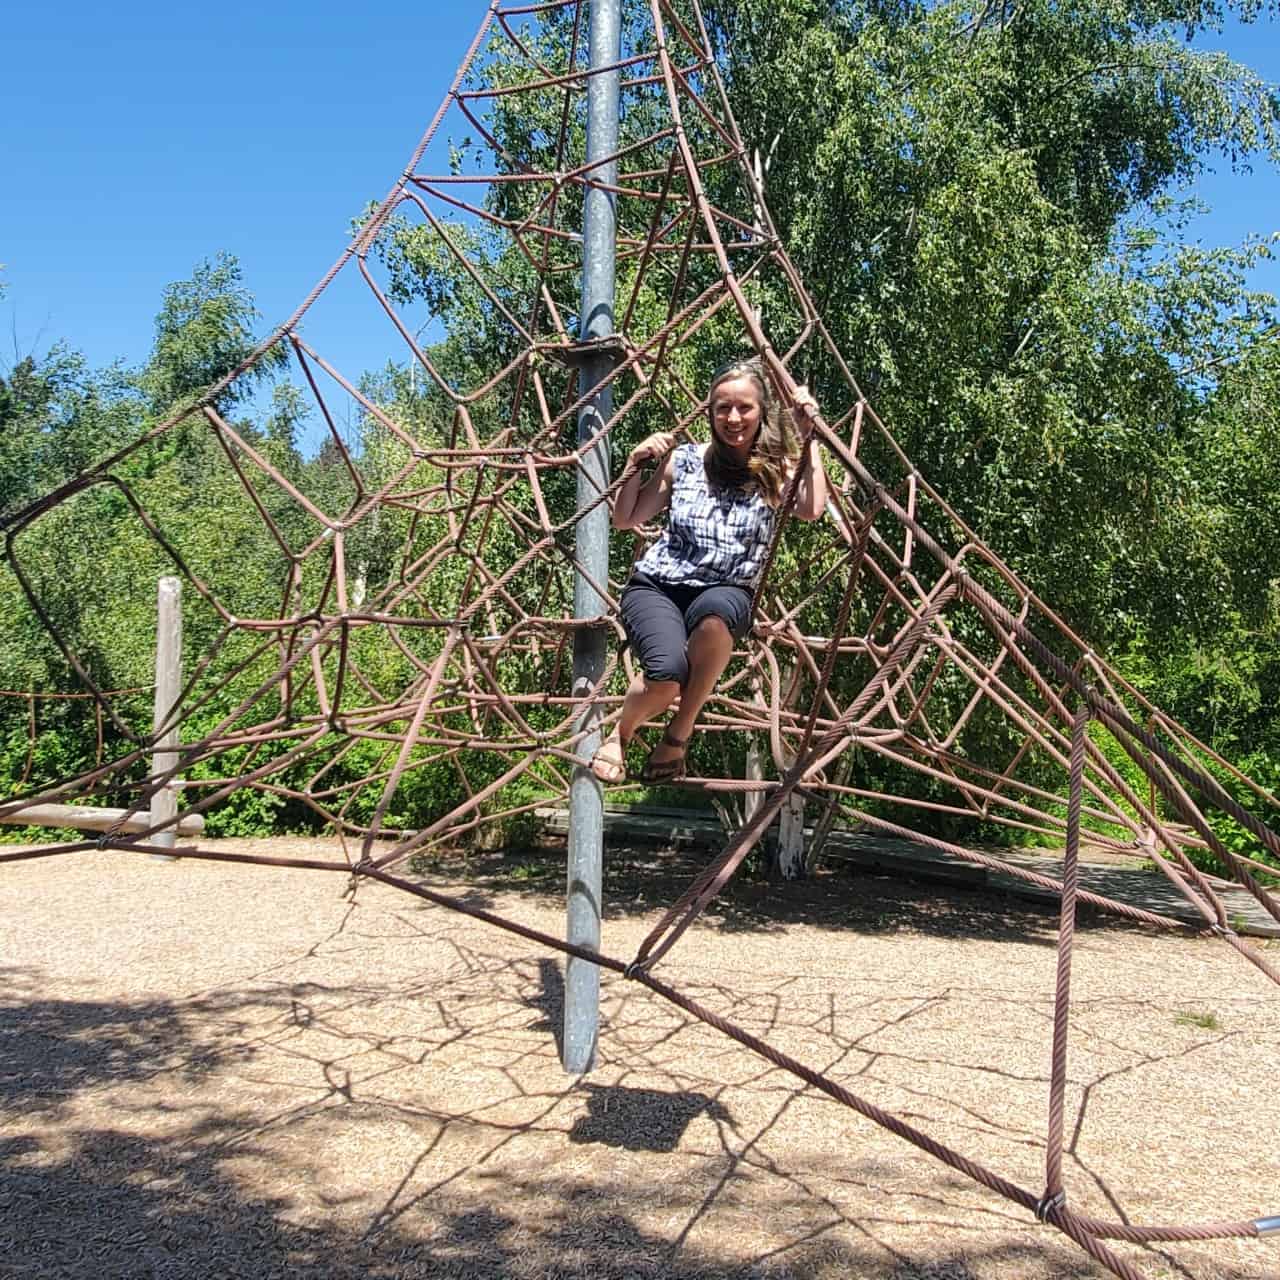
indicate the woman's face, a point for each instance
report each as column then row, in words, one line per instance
column 736, row 412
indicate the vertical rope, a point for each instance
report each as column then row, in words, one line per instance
column 1066, row 935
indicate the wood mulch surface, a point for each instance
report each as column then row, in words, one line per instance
column 213, row 1070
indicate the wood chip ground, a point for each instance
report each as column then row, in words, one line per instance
column 212, row 1070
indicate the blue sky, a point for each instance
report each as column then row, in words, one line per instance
column 140, row 138
column 151, row 136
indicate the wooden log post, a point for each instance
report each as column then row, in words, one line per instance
column 788, row 862
column 752, row 800
column 83, row 817
column 164, row 803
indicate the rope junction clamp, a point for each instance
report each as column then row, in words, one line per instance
column 1268, row 1226
column 1048, row 1203
column 110, row 834
column 635, row 969
column 577, row 353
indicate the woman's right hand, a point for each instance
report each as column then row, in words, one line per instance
column 651, row 449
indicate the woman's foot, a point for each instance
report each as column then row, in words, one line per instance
column 666, row 760
column 609, row 763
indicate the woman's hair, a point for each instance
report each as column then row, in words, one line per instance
column 775, row 443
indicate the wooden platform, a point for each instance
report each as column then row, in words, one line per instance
column 1129, row 880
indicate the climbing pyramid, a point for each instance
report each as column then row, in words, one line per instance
column 421, row 643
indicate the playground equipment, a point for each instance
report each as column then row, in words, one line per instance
column 889, row 632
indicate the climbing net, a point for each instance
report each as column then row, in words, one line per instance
column 426, row 623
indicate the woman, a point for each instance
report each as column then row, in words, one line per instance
column 690, row 595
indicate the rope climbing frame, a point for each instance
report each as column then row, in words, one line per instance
column 425, row 620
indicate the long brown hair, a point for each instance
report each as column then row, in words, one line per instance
column 774, row 447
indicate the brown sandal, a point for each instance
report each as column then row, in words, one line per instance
column 672, row 770
column 608, row 769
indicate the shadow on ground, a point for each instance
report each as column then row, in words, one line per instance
column 640, row 879
column 640, row 1119
column 136, row 1142
column 118, row 1205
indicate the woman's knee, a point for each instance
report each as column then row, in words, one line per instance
column 713, row 625
column 667, row 668
column 711, row 636
column 724, row 606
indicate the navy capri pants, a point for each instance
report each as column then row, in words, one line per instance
column 659, row 617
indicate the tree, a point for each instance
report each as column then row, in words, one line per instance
column 89, row 560
column 981, row 200
column 204, row 331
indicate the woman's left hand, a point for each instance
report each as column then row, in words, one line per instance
column 804, row 408
column 812, row 498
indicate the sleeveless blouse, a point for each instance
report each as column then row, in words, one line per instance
column 713, row 536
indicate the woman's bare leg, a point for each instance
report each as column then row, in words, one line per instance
column 645, row 699
column 710, row 648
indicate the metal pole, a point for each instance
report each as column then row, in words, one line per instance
column 586, row 799
column 164, row 804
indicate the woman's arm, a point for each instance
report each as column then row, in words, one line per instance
column 639, row 500
column 811, row 500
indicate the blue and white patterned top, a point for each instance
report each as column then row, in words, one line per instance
column 713, row 536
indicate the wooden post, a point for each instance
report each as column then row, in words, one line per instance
column 791, row 857
column 164, row 803
column 752, row 800
column 83, row 818
column 789, row 862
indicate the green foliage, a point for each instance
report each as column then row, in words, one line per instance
column 1263, row 768
column 988, row 204
column 982, row 201
column 246, row 812
column 204, row 331
column 1205, row 1020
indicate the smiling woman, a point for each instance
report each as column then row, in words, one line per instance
column 690, row 595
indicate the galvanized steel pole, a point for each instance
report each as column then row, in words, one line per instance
column 586, row 799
